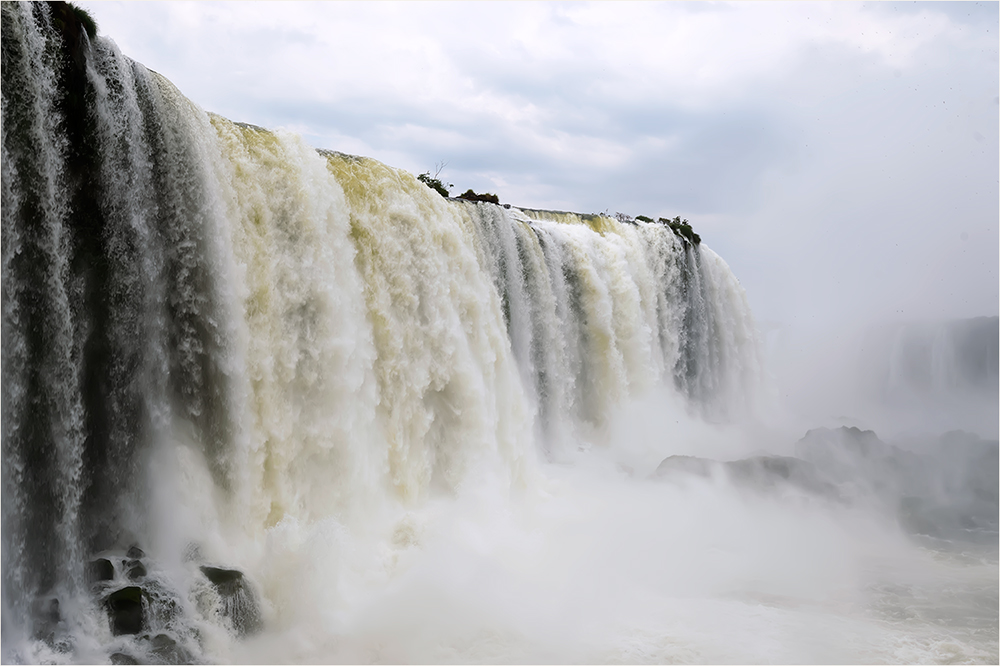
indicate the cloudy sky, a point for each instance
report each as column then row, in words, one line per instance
column 842, row 157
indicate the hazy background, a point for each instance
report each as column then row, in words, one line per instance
column 842, row 157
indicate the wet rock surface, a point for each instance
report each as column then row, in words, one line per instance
column 99, row 570
column 134, row 569
column 154, row 623
column 238, row 599
column 125, row 610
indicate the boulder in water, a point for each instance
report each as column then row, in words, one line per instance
column 223, row 579
column 239, row 602
column 134, row 569
column 125, row 611
column 99, row 570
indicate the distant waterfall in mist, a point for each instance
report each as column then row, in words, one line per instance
column 199, row 309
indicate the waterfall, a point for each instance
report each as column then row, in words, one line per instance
column 213, row 330
column 599, row 310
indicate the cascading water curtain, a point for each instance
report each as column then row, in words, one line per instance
column 599, row 310
column 211, row 329
column 114, row 320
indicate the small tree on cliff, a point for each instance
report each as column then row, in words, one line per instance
column 434, row 182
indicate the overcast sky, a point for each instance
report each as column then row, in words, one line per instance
column 842, row 157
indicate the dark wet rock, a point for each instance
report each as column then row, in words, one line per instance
column 135, row 553
column 222, row 577
column 99, row 570
column 134, row 569
column 122, row 658
column 125, row 610
column 239, row 601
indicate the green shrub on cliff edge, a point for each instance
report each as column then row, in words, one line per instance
column 435, row 184
column 682, row 228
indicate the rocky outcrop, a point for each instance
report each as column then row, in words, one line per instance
column 134, row 569
column 146, row 613
column 238, row 601
column 100, row 570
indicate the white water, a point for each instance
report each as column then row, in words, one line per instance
column 425, row 428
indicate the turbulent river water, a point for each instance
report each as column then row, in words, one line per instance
column 263, row 403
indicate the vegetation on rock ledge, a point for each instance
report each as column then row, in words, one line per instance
column 682, row 228
column 469, row 195
column 435, row 184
